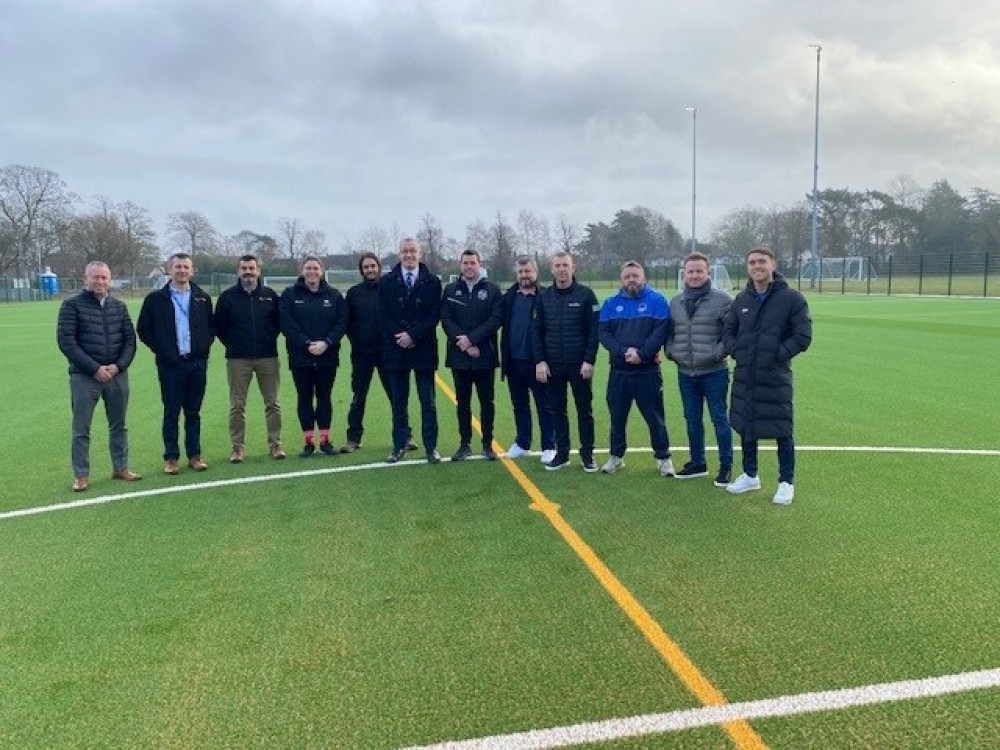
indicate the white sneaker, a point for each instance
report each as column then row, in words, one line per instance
column 743, row 483
column 516, row 451
column 666, row 467
column 784, row 494
column 613, row 464
column 548, row 455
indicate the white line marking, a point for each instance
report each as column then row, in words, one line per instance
column 105, row 499
column 788, row 705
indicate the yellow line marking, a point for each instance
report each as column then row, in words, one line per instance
column 740, row 731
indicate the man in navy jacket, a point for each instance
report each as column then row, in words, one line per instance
column 176, row 324
column 409, row 307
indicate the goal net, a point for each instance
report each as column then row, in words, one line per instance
column 720, row 277
column 849, row 267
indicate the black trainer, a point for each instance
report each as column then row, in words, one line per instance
column 725, row 476
column 395, row 457
column 692, row 471
column 589, row 464
column 307, row 451
column 463, row 452
column 561, row 461
column 410, row 445
column 327, row 449
column 433, row 457
column 489, row 454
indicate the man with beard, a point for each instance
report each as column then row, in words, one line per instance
column 246, row 322
column 365, row 334
column 633, row 326
column 517, row 364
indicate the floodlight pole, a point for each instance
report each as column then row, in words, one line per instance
column 814, row 246
column 694, row 174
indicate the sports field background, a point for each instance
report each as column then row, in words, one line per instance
column 407, row 605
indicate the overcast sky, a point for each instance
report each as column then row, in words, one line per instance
column 353, row 113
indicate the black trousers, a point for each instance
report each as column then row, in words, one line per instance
column 563, row 376
column 484, row 383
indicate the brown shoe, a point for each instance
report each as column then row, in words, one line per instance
column 236, row 457
column 171, row 467
column 277, row 452
column 196, row 463
column 126, row 475
column 81, row 483
column 350, row 446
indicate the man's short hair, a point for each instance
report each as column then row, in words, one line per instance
column 561, row 254
column 95, row 264
column 473, row 251
column 632, row 264
column 247, row 257
column 407, row 240
column 526, row 260
column 763, row 250
column 177, row 256
column 369, row 256
column 696, row 256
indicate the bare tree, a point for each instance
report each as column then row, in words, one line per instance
column 313, row 242
column 534, row 234
column 569, row 234
column 191, row 232
column 477, row 237
column 290, row 231
column 120, row 234
column 503, row 243
column 34, row 202
column 374, row 239
column 432, row 241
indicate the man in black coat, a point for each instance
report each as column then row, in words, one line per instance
column 471, row 314
column 246, row 322
column 95, row 334
column 176, row 324
column 564, row 341
column 365, row 334
column 767, row 325
column 409, row 307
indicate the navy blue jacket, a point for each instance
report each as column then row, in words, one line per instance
column 308, row 316
column 477, row 314
column 416, row 312
column 248, row 324
column 642, row 322
column 157, row 330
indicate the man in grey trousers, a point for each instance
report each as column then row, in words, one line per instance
column 96, row 335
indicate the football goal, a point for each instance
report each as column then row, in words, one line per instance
column 720, row 277
column 850, row 267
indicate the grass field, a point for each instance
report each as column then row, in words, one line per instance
column 346, row 603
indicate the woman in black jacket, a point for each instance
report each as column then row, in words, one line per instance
column 313, row 318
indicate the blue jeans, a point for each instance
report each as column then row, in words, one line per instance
column 523, row 384
column 786, row 459
column 712, row 387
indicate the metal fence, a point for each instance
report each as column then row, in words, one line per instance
column 927, row 275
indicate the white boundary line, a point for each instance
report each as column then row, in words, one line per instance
column 788, row 705
column 105, row 499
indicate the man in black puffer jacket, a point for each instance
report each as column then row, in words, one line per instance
column 564, row 341
column 95, row 333
column 767, row 325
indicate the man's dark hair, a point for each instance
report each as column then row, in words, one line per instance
column 369, row 256
column 763, row 250
column 249, row 257
column 472, row 251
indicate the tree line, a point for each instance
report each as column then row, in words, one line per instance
column 43, row 224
